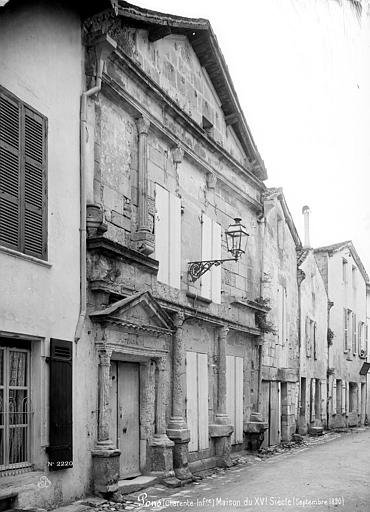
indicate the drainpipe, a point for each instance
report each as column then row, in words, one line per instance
column 262, row 222
column 103, row 49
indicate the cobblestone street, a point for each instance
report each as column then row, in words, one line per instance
column 320, row 475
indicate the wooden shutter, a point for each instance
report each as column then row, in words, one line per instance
column 202, row 368
column 238, row 399
column 34, row 186
column 9, row 172
column 168, row 236
column 206, row 279
column 60, row 408
column 211, row 250
column 323, row 398
column 343, row 403
column 314, row 341
column 216, row 255
column 307, row 337
column 345, row 323
column 162, row 233
column 197, row 400
column 359, row 398
column 192, row 399
column 175, row 241
column 234, row 396
column 334, row 397
column 23, row 194
column 230, row 392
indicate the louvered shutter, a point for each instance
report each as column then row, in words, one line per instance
column 23, row 195
column 9, row 172
column 34, row 184
column 60, row 407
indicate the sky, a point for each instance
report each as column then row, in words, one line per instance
column 301, row 69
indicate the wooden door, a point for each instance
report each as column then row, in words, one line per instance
column 275, row 413
column 125, row 429
column 265, row 402
column 197, row 400
column 271, row 411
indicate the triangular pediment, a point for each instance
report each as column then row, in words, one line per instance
column 141, row 310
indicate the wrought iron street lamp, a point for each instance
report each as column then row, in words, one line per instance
column 236, row 240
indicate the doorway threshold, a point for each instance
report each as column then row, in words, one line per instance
column 129, row 485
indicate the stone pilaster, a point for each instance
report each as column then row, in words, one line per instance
column 105, row 456
column 177, row 429
column 161, row 445
column 222, row 430
column 221, row 415
column 104, row 420
column 143, row 237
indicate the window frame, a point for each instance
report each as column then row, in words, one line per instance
column 5, row 427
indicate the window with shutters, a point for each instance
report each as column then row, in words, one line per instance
column 60, row 449
column 338, row 398
column 15, row 411
column 210, row 282
column 314, row 334
column 346, row 334
column 354, row 333
column 23, row 194
column 168, row 236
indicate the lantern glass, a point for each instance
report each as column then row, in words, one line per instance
column 236, row 238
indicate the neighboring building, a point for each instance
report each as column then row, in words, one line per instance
column 346, row 281
column 40, row 87
column 174, row 163
column 313, row 335
column 280, row 350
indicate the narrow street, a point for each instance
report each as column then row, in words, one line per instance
column 327, row 476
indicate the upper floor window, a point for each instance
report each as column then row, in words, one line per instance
column 23, row 193
column 354, row 333
column 354, row 277
column 211, row 250
column 345, row 271
column 168, row 236
column 282, row 311
column 347, row 314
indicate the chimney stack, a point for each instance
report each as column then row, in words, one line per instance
column 306, row 215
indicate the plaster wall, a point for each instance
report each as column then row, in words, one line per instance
column 313, row 304
column 41, row 63
column 346, row 365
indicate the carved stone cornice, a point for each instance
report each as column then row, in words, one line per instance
column 114, row 249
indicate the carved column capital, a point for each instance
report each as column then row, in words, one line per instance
column 104, row 357
column 179, row 319
column 178, row 155
column 223, row 332
column 143, row 125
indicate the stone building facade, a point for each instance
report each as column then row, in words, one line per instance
column 280, row 363
column 171, row 163
column 346, row 281
column 313, row 336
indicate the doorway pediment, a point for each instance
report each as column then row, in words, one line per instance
column 140, row 310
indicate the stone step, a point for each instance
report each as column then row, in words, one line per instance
column 316, row 431
column 136, row 484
